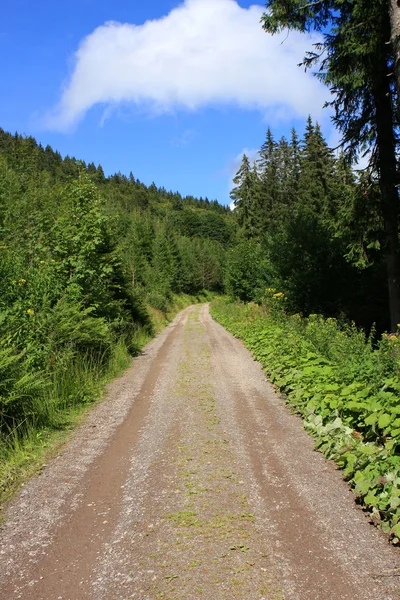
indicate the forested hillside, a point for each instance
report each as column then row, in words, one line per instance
column 312, row 229
column 82, row 257
column 86, row 259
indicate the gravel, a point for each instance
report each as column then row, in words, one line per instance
column 192, row 480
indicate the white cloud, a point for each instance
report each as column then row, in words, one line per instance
column 203, row 52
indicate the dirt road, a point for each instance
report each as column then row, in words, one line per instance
column 192, row 481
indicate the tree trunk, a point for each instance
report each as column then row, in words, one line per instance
column 389, row 191
column 394, row 12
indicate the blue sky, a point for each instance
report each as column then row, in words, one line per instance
column 172, row 91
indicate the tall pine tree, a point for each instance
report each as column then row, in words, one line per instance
column 356, row 63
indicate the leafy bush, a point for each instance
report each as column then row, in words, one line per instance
column 346, row 388
column 157, row 301
column 65, row 305
column 246, row 271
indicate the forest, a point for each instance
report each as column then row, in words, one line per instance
column 306, row 231
column 86, row 260
column 307, row 262
column 88, row 266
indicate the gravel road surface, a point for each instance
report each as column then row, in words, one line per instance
column 192, row 481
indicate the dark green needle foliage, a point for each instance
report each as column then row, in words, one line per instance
column 313, row 228
column 355, row 59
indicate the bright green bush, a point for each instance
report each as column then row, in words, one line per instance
column 246, row 271
column 346, row 388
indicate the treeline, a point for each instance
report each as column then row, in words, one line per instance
column 311, row 228
column 82, row 256
column 26, row 156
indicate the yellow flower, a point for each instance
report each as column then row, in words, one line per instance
column 30, row 311
column 279, row 295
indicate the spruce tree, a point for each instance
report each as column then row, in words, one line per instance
column 255, row 225
column 242, row 193
column 294, row 167
column 269, row 182
column 356, row 63
column 316, row 170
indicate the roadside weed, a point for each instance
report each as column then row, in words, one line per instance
column 346, row 388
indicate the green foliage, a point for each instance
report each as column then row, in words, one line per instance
column 246, row 271
column 319, row 232
column 243, row 194
column 346, row 388
column 19, row 391
column 356, row 58
column 82, row 257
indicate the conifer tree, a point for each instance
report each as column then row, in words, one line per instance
column 294, row 168
column 267, row 151
column 255, row 225
column 316, row 170
column 356, row 63
column 242, row 193
column 269, row 182
column 283, row 167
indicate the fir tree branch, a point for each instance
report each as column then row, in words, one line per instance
column 311, row 4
